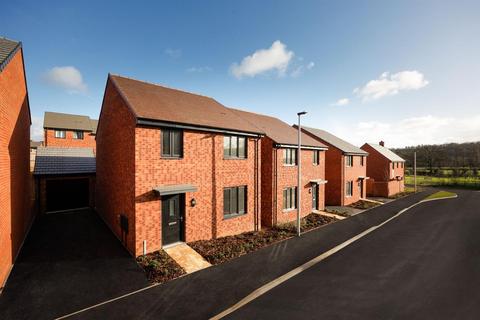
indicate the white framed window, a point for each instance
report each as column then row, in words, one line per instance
column 60, row 134
column 78, row 135
column 290, row 157
column 290, row 198
column 349, row 161
column 349, row 188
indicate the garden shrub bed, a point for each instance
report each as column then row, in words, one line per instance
column 159, row 267
column 364, row 205
column 220, row 250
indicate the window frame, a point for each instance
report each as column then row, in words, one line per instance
column 349, row 161
column 290, row 157
column 58, row 131
column 290, row 199
column 75, row 135
column 235, row 192
column 349, row 185
column 171, row 138
column 362, row 161
column 237, row 139
column 316, row 157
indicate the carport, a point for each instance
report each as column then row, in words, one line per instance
column 65, row 178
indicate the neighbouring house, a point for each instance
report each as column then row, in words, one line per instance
column 16, row 214
column 69, row 130
column 65, row 178
column 280, row 170
column 33, row 152
column 385, row 169
column 345, row 169
column 174, row 166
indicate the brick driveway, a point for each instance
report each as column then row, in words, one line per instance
column 69, row 261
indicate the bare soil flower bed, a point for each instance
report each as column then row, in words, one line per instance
column 219, row 250
column 159, row 267
column 361, row 204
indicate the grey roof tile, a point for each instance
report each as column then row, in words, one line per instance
column 335, row 141
column 387, row 153
column 61, row 161
column 7, row 49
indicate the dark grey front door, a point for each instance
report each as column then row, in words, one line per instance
column 360, row 186
column 172, row 218
column 314, row 196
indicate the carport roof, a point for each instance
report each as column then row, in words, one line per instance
column 64, row 161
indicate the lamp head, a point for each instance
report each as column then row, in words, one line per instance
column 301, row 113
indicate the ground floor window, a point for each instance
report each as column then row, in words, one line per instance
column 349, row 188
column 290, row 198
column 234, row 201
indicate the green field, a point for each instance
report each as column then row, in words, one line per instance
column 440, row 195
column 463, row 182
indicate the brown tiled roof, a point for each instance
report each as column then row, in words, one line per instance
column 342, row 145
column 55, row 120
column 7, row 49
column 155, row 102
column 277, row 130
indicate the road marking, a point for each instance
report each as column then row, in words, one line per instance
column 272, row 284
column 267, row 287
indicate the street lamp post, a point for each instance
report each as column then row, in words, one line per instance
column 299, row 161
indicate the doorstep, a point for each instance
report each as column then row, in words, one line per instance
column 189, row 259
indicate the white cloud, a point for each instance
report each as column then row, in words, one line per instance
column 414, row 131
column 173, row 53
column 341, row 102
column 199, row 69
column 299, row 70
column 36, row 130
column 67, row 77
column 390, row 84
column 277, row 57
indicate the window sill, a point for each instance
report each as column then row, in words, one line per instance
column 171, row 158
column 289, row 165
column 234, row 158
column 289, row 210
column 233, row 215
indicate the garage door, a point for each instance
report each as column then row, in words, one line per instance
column 65, row 194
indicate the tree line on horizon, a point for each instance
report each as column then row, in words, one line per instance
column 431, row 158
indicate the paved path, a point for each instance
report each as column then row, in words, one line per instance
column 205, row 293
column 69, row 261
column 423, row 265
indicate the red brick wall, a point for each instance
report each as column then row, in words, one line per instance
column 276, row 176
column 379, row 169
column 337, row 174
column 115, row 176
column 15, row 211
column 203, row 166
column 88, row 140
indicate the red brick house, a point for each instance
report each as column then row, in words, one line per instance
column 174, row 166
column 16, row 214
column 385, row 169
column 346, row 169
column 279, row 170
column 69, row 130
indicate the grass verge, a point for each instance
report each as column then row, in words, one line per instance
column 220, row 250
column 441, row 194
column 461, row 182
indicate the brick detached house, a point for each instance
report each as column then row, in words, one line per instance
column 69, row 130
column 16, row 214
column 174, row 166
column 346, row 169
column 279, row 170
column 385, row 169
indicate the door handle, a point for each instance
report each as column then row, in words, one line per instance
column 172, row 223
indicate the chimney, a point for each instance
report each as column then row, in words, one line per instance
column 382, row 143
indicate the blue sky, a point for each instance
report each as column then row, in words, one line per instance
column 414, row 64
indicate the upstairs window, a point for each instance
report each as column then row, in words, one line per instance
column 316, row 157
column 349, row 161
column 290, row 198
column 172, row 143
column 78, row 135
column 349, row 188
column 393, row 165
column 234, row 147
column 290, row 157
column 60, row 134
column 362, row 159
column 234, row 201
